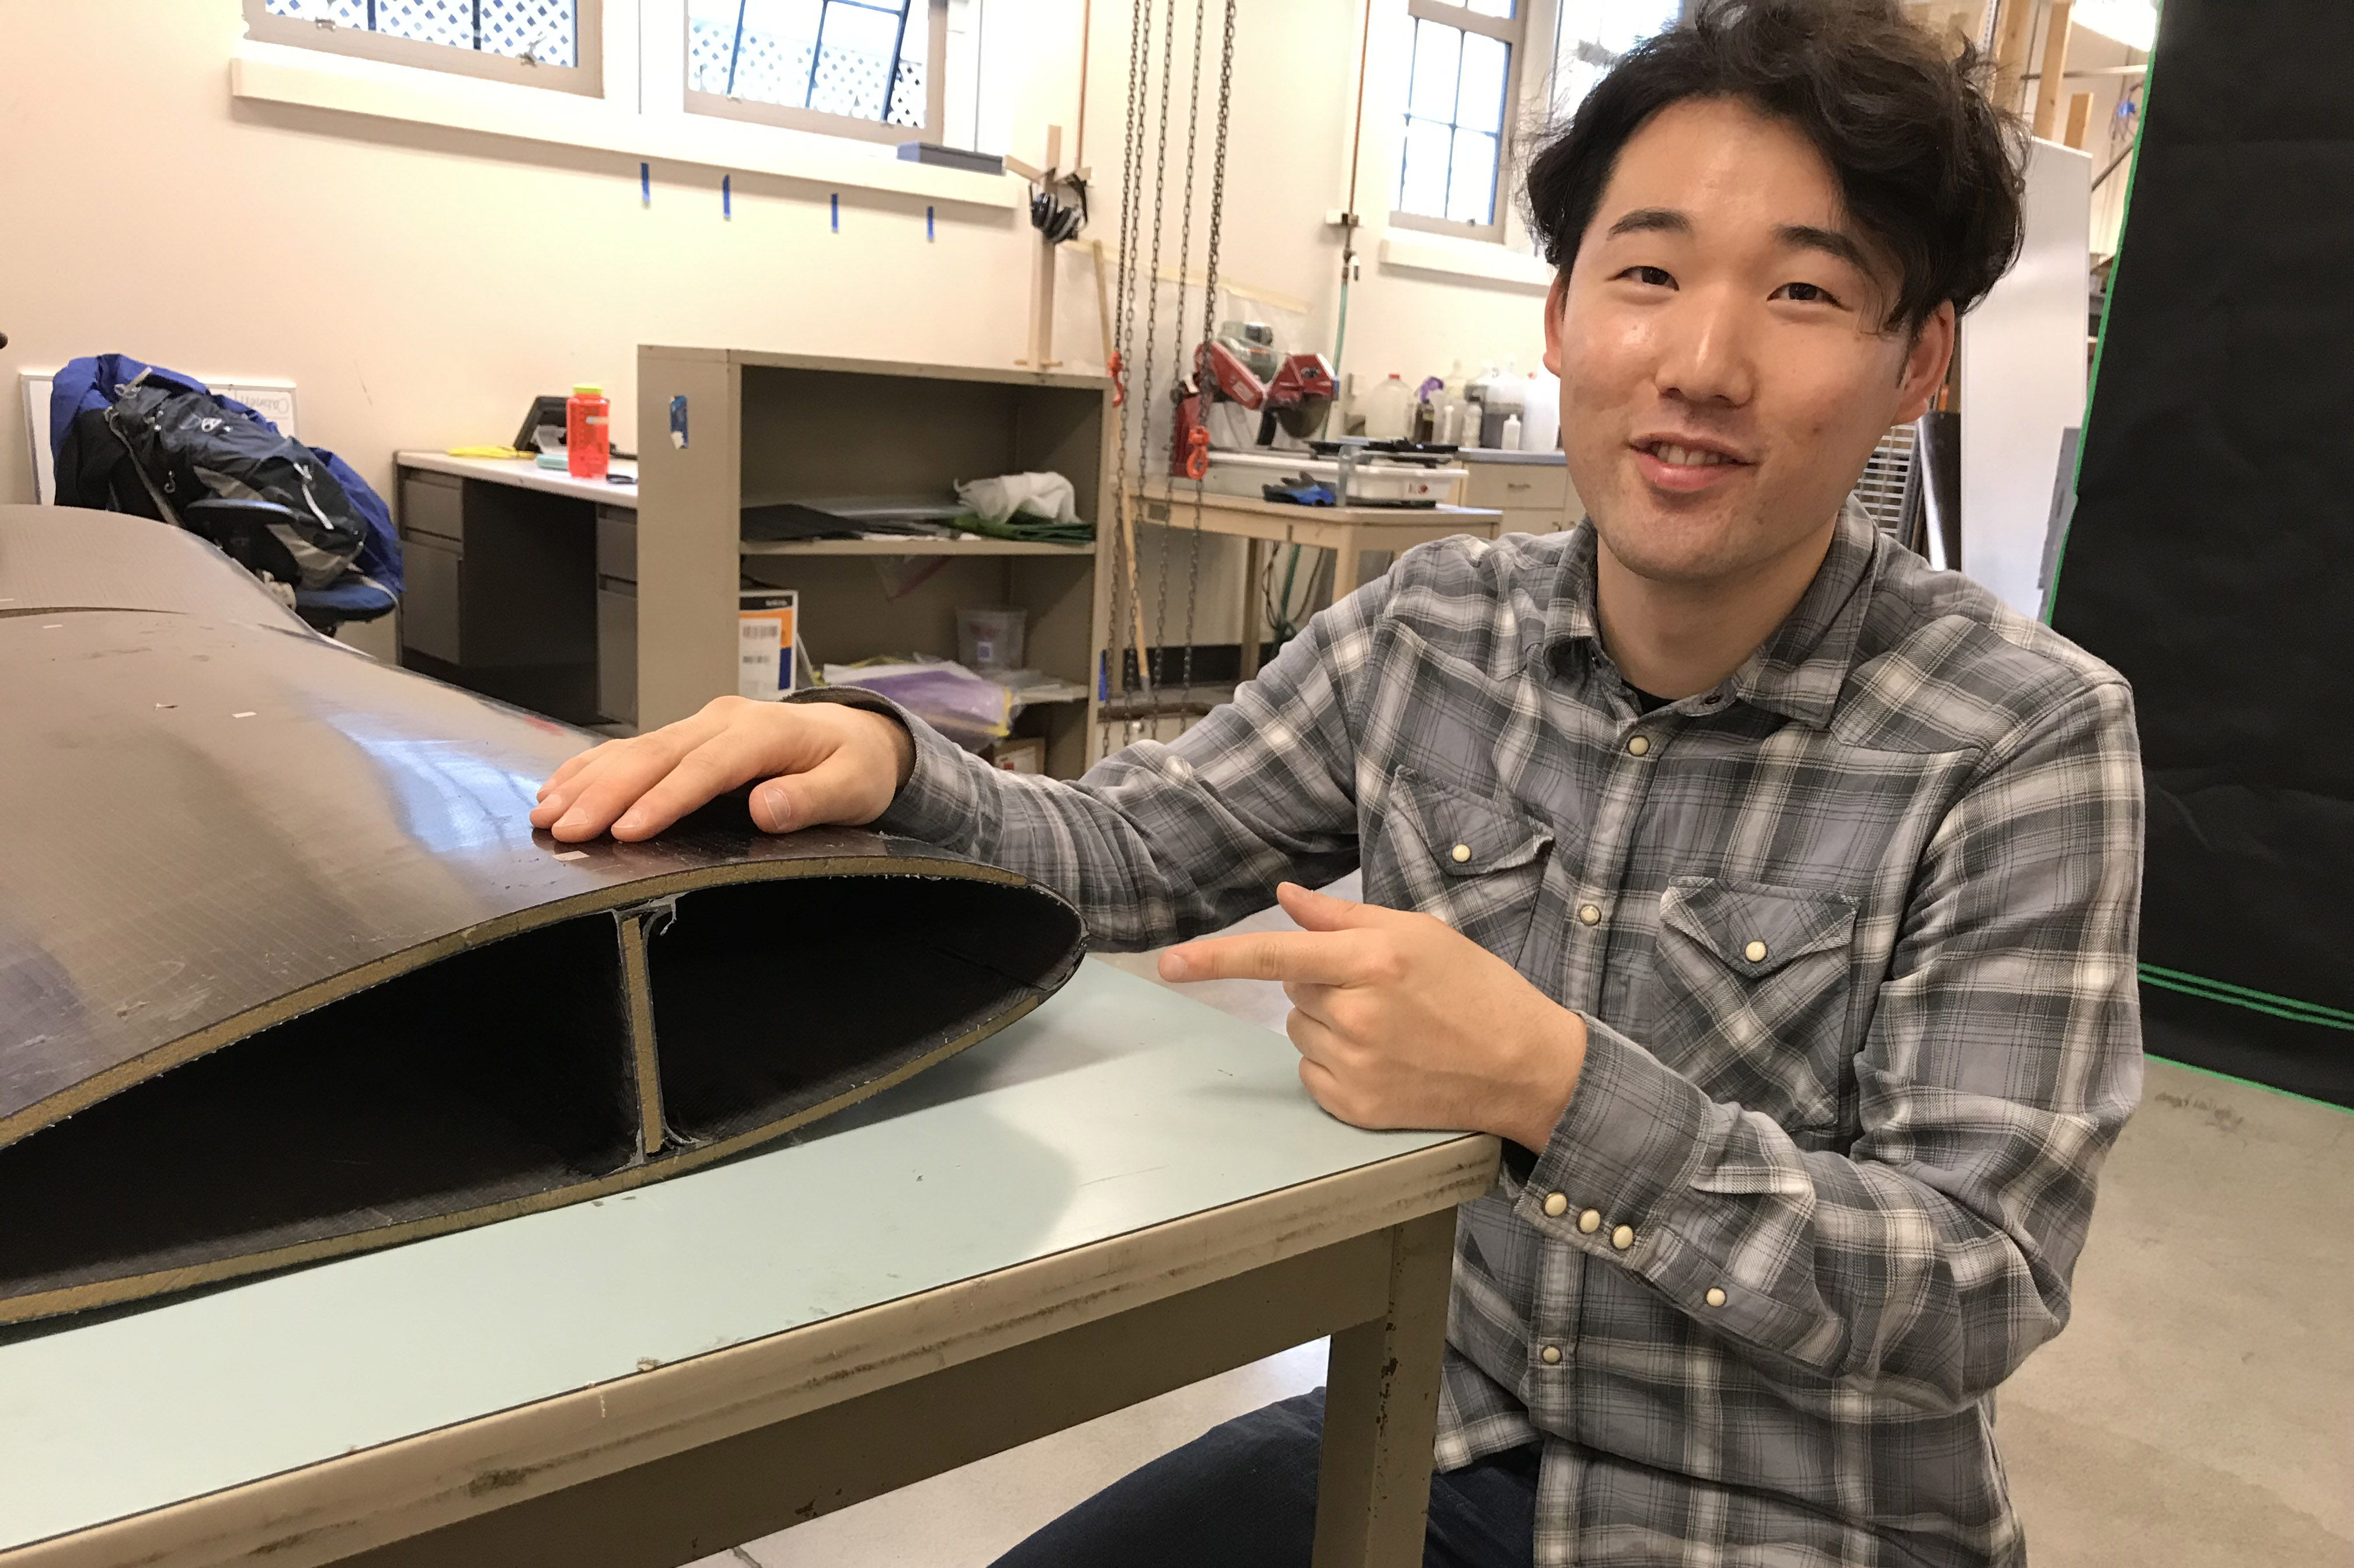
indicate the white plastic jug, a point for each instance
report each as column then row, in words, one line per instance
column 1541, row 413
column 1389, row 410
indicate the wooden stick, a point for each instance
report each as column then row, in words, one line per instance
column 2080, row 119
column 2013, row 26
column 2055, row 67
column 1042, row 291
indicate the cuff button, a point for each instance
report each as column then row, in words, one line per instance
column 1623, row 1237
column 1555, row 1206
column 1715, row 1296
column 1590, row 1221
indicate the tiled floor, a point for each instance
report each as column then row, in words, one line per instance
column 2198, row 1412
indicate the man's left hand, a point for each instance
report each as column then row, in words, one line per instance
column 1402, row 1020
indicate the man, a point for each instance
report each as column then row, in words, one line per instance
column 1772, row 895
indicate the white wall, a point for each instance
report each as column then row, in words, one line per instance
column 420, row 284
column 2023, row 371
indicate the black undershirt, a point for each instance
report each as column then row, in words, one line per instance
column 1645, row 703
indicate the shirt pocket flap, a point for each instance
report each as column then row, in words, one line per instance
column 1471, row 837
column 1753, row 929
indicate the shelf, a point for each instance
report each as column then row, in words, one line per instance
column 910, row 546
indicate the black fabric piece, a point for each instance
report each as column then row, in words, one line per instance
column 1645, row 703
column 1243, row 1495
column 2211, row 555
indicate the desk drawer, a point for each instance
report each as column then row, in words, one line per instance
column 430, row 601
column 1517, row 487
column 433, row 503
column 616, row 544
column 617, row 651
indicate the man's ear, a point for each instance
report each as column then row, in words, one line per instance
column 1925, row 364
column 1557, row 301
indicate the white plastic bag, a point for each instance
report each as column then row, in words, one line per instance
column 1048, row 495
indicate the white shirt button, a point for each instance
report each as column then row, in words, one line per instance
column 1591, row 914
column 1715, row 1296
column 1461, row 854
column 1555, row 1206
column 1550, row 1355
column 1590, row 1221
column 1639, row 744
column 1754, row 952
column 1623, row 1237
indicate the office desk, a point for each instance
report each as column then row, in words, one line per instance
column 1348, row 531
column 522, row 582
column 1120, row 1194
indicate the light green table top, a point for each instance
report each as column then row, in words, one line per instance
column 1116, row 1107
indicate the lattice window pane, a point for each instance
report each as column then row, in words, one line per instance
column 450, row 22
column 864, row 59
column 547, row 30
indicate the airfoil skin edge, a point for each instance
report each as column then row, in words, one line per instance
column 285, row 973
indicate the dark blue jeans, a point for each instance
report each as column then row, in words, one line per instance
column 1243, row 1496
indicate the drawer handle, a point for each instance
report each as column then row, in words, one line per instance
column 1520, row 484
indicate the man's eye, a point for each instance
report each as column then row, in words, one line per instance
column 1657, row 277
column 1806, row 294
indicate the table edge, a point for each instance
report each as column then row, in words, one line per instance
column 320, row 1512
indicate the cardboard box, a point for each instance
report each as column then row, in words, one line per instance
column 1019, row 754
column 766, row 629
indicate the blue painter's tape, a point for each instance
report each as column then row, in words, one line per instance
column 678, row 420
column 646, row 184
column 929, row 232
column 837, row 200
column 726, row 199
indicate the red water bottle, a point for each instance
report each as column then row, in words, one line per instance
column 587, row 432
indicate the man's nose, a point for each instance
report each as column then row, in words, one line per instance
column 1707, row 350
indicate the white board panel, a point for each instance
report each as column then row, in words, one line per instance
column 2023, row 357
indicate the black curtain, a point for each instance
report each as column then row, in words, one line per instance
column 2211, row 557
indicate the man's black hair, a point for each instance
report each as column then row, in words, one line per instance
column 1926, row 165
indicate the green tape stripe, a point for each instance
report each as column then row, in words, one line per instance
column 2241, row 996
column 2252, row 1084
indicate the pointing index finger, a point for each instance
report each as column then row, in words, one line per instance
column 1318, row 958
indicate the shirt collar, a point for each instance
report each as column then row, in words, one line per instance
column 1798, row 670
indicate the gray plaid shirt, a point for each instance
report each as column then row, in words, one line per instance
column 1852, row 936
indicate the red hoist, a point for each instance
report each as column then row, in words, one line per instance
column 1296, row 398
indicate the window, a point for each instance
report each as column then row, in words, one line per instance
column 1461, row 98
column 847, row 67
column 1593, row 34
column 546, row 43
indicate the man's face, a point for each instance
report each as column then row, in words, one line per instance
column 1723, row 370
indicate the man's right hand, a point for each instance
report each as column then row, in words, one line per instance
column 824, row 762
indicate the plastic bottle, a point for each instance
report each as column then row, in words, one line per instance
column 1511, row 435
column 1388, row 411
column 587, row 432
column 1501, row 396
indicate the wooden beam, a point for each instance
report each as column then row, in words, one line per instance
column 2080, row 119
column 2014, row 24
column 2055, row 67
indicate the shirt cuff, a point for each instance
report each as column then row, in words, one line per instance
column 1621, row 1153
column 1628, row 1160
column 940, row 803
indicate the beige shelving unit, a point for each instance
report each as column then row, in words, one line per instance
column 767, row 428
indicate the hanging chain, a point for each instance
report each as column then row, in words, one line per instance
column 1184, row 370
column 1142, row 390
column 1131, row 164
column 1210, row 308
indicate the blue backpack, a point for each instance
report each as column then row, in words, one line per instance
column 130, row 437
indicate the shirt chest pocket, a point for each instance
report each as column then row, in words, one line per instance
column 1755, row 985
column 1475, row 864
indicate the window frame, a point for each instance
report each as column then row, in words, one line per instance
column 721, row 106
column 1513, row 33
column 585, row 76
